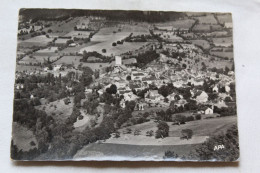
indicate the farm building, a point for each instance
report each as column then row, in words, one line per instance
column 209, row 111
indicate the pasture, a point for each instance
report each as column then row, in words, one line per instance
column 207, row 19
column 104, row 151
column 27, row 68
column 216, row 34
column 202, row 43
column 206, row 28
column 223, row 18
column 223, row 42
column 62, row 27
column 229, row 55
column 78, row 34
column 69, row 60
column 222, row 52
column 41, row 40
column 27, row 60
column 185, row 24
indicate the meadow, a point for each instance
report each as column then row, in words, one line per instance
column 224, row 18
column 23, row 137
column 208, row 19
column 104, row 151
column 225, row 41
column 106, row 37
column 41, row 40
column 185, row 24
column 202, row 43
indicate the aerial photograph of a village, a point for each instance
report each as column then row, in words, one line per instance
column 124, row 85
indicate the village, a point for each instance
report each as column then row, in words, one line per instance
column 108, row 83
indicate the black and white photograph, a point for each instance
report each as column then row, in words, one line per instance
column 124, row 85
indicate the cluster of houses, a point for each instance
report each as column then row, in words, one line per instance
column 130, row 79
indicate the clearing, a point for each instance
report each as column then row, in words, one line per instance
column 22, row 137
column 103, row 151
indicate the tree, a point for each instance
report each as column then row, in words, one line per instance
column 203, row 67
column 198, row 117
column 229, row 140
column 114, row 44
column 163, row 130
column 104, row 50
column 112, row 89
column 130, row 105
column 128, row 78
column 186, row 134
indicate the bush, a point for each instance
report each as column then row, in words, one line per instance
column 180, row 118
column 190, row 118
column 104, row 50
column 149, row 133
column 114, row 44
column 137, row 132
column 186, row 134
column 170, row 155
column 163, row 130
column 198, row 117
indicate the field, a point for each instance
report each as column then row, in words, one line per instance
column 77, row 48
column 202, row 43
column 22, row 68
column 61, row 28
column 229, row 55
column 115, row 50
column 61, row 41
column 211, row 127
column 208, row 19
column 185, row 24
column 222, row 52
column 136, row 29
column 216, row 34
column 131, row 152
column 206, row 27
column 169, row 36
column 143, row 147
column 96, row 66
column 224, row 18
column 225, row 41
column 23, row 137
column 78, row 34
column 36, row 59
column 41, row 40
column 69, row 60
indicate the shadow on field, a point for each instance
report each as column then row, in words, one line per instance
column 126, row 164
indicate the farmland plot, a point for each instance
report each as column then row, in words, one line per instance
column 225, row 41
column 223, row 18
column 78, row 34
column 206, row 28
column 208, row 19
column 69, row 60
column 185, row 24
column 202, row 43
column 106, row 37
column 41, row 40
column 222, row 52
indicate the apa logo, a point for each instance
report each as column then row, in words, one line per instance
column 219, row 147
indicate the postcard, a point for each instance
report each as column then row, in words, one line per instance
column 124, row 85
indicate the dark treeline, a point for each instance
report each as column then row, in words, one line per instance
column 63, row 14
